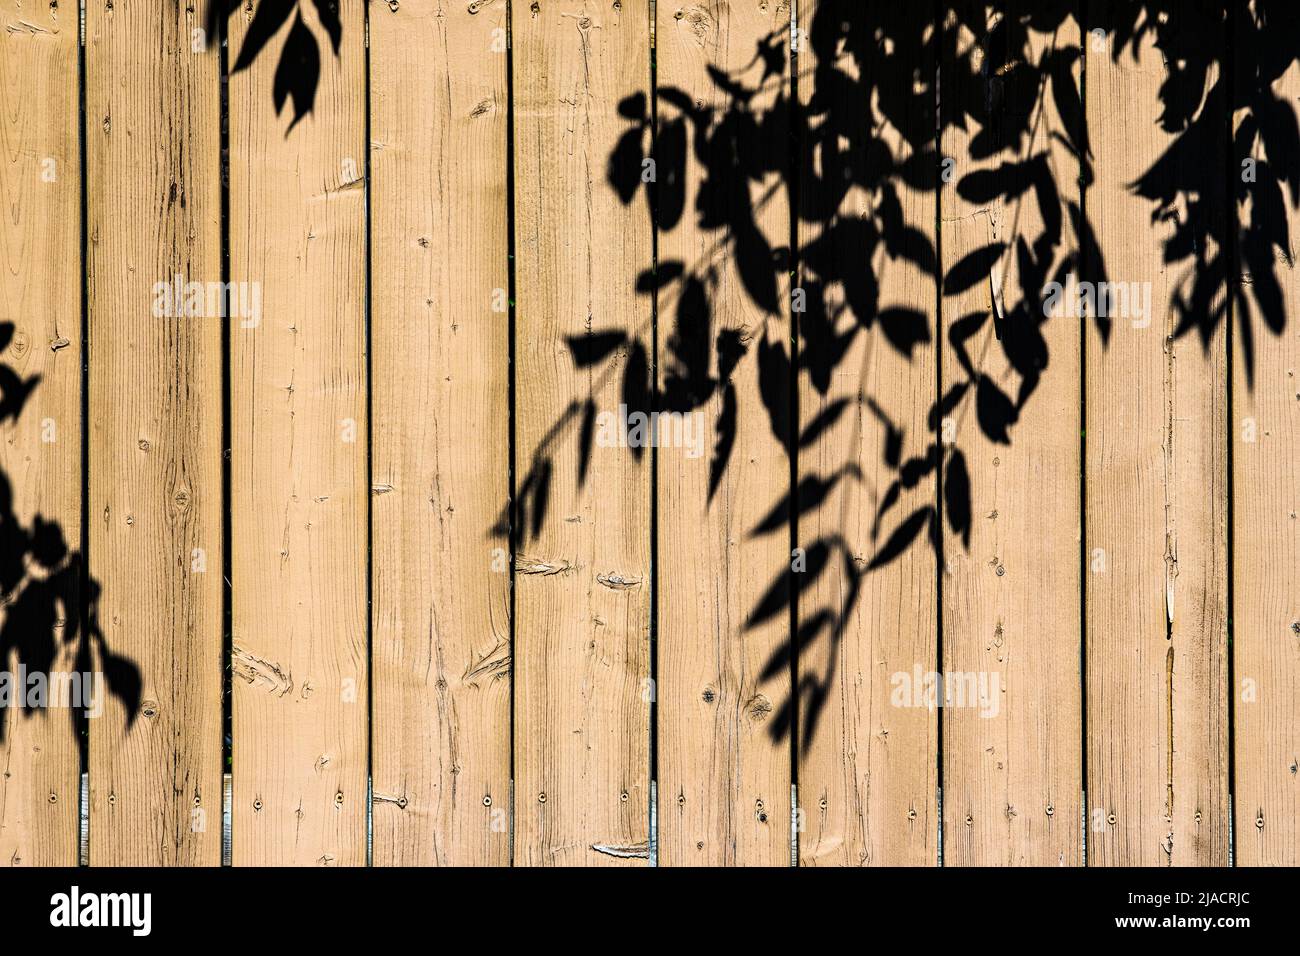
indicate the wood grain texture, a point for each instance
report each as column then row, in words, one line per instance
column 868, row 770
column 1086, row 612
column 154, row 212
column 298, row 462
column 583, row 567
column 1155, row 493
column 40, row 446
column 1265, row 434
column 724, row 782
column 440, row 476
column 1011, row 599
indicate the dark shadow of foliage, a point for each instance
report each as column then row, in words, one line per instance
column 994, row 92
column 41, row 582
column 297, row 75
column 1263, row 242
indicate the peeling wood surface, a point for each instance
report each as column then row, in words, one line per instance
column 1156, row 512
column 298, row 462
column 1266, row 558
column 1012, row 760
column 582, row 650
column 724, row 783
column 868, row 776
column 441, row 730
column 40, row 290
column 154, row 211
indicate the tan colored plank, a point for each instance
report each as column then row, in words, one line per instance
column 867, row 771
column 583, row 566
column 298, row 464
column 1265, row 425
column 154, row 212
column 724, row 779
column 440, row 434
column 1155, row 491
column 40, row 444
column 1011, row 599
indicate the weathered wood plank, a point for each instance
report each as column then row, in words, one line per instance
column 40, row 427
column 298, row 457
column 1155, row 459
column 1265, row 426
column 867, row 768
column 441, row 446
column 153, row 183
column 724, row 779
column 583, row 562
column 1012, row 703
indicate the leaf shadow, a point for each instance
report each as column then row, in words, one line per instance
column 43, row 623
column 876, row 67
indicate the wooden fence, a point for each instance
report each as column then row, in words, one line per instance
column 324, row 348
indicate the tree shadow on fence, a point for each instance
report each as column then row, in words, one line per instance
column 42, row 583
column 859, row 52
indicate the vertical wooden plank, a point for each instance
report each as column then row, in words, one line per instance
column 1156, row 470
column 583, row 565
column 153, row 182
column 1011, row 599
column 298, row 464
column 724, row 777
column 867, row 770
column 440, row 434
column 40, row 425
column 1265, row 425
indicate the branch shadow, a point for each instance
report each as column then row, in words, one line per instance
column 871, row 55
column 860, row 51
column 42, row 583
